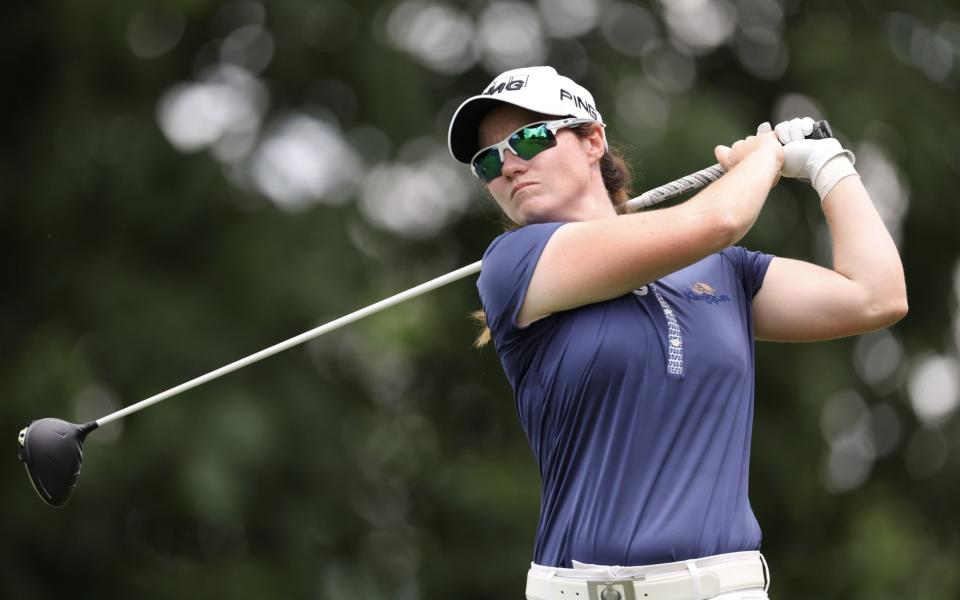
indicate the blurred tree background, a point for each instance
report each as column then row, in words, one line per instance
column 187, row 182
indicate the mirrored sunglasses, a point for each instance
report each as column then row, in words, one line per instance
column 526, row 142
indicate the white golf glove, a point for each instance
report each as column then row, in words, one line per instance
column 821, row 162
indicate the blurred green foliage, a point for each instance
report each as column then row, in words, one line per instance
column 385, row 460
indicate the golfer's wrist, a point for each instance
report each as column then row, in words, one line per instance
column 830, row 174
column 766, row 161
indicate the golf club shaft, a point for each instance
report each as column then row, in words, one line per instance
column 649, row 198
column 303, row 337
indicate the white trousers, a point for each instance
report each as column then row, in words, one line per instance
column 734, row 576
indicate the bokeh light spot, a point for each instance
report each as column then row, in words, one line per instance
column 439, row 36
column 845, row 423
column 668, row 68
column 934, row 387
column 510, row 35
column 419, row 196
column 250, row 47
column 629, row 28
column 304, row 160
column 569, row 18
column 194, row 116
column 700, row 25
column 888, row 188
column 877, row 356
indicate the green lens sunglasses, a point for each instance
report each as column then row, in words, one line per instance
column 526, row 142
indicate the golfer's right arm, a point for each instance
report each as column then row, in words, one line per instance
column 591, row 261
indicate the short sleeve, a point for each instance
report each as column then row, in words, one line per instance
column 751, row 267
column 508, row 266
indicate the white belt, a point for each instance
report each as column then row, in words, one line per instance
column 686, row 580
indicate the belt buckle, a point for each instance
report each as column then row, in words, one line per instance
column 613, row 589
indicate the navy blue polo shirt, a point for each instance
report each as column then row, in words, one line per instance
column 638, row 409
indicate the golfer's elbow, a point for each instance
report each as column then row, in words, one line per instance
column 896, row 310
column 726, row 228
column 887, row 310
column 726, row 210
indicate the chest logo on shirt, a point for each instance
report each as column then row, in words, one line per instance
column 704, row 292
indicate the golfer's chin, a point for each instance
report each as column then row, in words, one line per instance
column 530, row 207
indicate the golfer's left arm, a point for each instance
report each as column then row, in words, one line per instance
column 865, row 290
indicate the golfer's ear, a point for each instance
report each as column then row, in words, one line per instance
column 596, row 147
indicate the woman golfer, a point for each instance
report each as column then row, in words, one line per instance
column 628, row 340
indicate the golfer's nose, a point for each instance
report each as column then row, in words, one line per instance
column 512, row 164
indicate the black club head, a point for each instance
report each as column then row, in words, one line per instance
column 52, row 450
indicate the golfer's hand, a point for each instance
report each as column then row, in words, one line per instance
column 822, row 162
column 765, row 142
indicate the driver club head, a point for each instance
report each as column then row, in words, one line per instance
column 52, row 450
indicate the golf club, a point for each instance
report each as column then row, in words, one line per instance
column 52, row 449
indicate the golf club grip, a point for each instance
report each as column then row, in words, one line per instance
column 703, row 177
